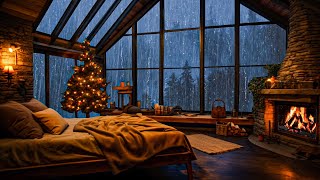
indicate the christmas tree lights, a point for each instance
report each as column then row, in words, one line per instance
column 86, row 89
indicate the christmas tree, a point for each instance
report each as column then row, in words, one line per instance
column 86, row 91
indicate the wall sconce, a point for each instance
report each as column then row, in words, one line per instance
column 9, row 71
column 14, row 48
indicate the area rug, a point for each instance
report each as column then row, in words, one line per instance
column 211, row 145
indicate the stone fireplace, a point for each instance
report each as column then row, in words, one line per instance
column 292, row 106
column 292, row 114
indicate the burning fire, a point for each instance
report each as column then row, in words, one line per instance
column 297, row 119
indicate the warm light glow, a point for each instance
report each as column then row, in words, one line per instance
column 10, row 49
column 8, row 69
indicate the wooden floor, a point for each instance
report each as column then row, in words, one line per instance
column 249, row 162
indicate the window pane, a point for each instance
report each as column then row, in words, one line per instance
column 249, row 16
column 150, row 22
column 263, row 44
column 219, row 12
column 76, row 18
column 181, row 88
column 219, row 83
column 182, row 14
column 53, row 15
column 112, row 19
column 39, row 91
column 219, row 47
column 181, row 47
column 148, row 51
column 120, row 55
column 148, row 87
column 61, row 69
column 103, row 9
column 246, row 74
column 115, row 77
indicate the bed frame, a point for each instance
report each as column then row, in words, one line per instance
column 100, row 165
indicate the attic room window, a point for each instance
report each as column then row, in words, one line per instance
column 77, row 17
column 119, row 66
column 53, row 15
column 108, row 24
column 175, row 51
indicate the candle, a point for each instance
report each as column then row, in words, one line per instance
column 122, row 84
column 139, row 104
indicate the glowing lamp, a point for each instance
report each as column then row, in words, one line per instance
column 9, row 71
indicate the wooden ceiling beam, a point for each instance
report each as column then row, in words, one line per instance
column 17, row 8
column 116, row 24
column 41, row 14
column 64, row 19
column 276, row 13
column 118, row 31
column 44, row 40
column 86, row 21
column 55, row 50
column 103, row 20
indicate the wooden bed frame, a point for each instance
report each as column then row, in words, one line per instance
column 99, row 165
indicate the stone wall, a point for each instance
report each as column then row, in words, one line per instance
column 303, row 53
column 18, row 32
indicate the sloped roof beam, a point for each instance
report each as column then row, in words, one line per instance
column 41, row 14
column 263, row 7
column 103, row 20
column 86, row 21
column 63, row 20
column 105, row 43
column 116, row 24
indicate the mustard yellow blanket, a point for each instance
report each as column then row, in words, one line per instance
column 127, row 140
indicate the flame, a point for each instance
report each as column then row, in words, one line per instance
column 297, row 119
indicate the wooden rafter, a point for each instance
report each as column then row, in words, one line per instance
column 41, row 14
column 277, row 12
column 63, row 20
column 105, row 42
column 86, row 21
column 116, row 24
column 103, row 20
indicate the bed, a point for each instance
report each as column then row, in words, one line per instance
column 98, row 144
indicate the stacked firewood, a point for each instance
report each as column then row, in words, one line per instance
column 235, row 130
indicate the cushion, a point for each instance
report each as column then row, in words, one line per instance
column 34, row 105
column 17, row 121
column 51, row 121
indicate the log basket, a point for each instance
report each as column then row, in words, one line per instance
column 218, row 111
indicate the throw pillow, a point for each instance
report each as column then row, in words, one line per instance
column 17, row 121
column 34, row 105
column 51, row 121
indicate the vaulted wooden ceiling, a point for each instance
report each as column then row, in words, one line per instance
column 33, row 10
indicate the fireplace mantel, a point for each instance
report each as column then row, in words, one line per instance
column 304, row 92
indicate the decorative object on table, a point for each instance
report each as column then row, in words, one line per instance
column 86, row 88
column 121, row 84
column 130, row 109
column 161, row 110
column 218, row 111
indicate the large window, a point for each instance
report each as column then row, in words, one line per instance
column 179, row 69
column 175, row 63
column 119, row 67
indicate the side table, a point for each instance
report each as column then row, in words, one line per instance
column 123, row 90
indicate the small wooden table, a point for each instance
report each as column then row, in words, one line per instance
column 122, row 90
